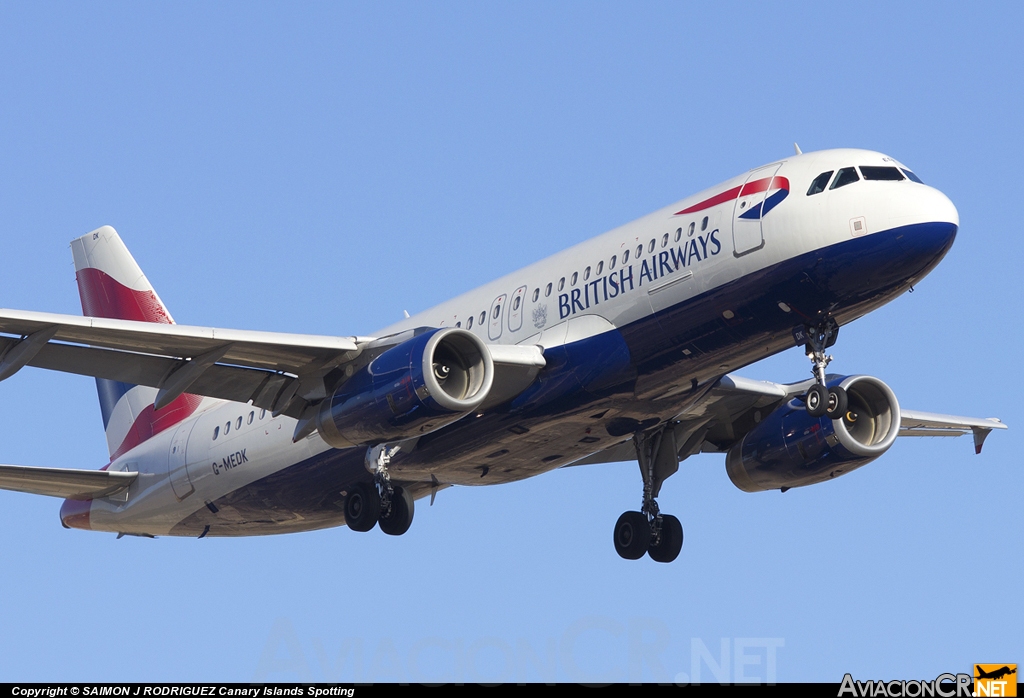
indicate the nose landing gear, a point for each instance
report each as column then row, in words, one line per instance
column 648, row 530
column 820, row 399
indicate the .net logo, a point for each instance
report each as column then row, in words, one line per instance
column 995, row 680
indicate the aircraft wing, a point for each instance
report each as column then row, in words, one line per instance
column 724, row 410
column 276, row 371
column 64, row 482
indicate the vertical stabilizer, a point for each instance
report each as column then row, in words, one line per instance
column 112, row 285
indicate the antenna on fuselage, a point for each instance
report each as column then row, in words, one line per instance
column 796, row 147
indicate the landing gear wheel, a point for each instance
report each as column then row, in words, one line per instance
column 669, row 541
column 362, row 507
column 398, row 518
column 817, row 400
column 837, row 403
column 632, row 535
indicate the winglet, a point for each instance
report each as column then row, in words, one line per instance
column 979, row 438
column 797, row 149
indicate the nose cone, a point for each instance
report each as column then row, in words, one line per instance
column 922, row 204
column 74, row 513
column 941, row 208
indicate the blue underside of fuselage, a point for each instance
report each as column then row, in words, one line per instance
column 626, row 373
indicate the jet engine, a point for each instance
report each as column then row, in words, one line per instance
column 790, row 448
column 412, row 389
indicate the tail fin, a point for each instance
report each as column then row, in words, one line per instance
column 112, row 285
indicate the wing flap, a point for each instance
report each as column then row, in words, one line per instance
column 66, row 483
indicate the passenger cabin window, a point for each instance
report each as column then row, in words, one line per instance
column 611, row 263
column 912, row 177
column 263, row 413
column 227, row 428
column 664, row 240
column 252, row 415
column 679, row 234
column 888, row 174
column 536, row 294
column 459, row 323
column 689, row 232
column 704, row 224
column 216, row 433
column 639, row 251
column 547, row 290
column 586, row 273
column 483, row 316
column 847, row 175
column 650, row 246
column 469, row 323
column 238, row 423
column 574, row 277
column 600, row 268
column 561, row 283
column 819, row 183
column 515, row 303
column 496, row 313
column 625, row 256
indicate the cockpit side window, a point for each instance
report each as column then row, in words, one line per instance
column 847, row 175
column 819, row 183
column 912, row 177
column 888, row 174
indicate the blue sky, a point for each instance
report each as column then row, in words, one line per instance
column 322, row 167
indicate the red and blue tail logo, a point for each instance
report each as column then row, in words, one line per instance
column 112, row 285
column 776, row 189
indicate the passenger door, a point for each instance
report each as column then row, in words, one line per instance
column 495, row 316
column 176, row 470
column 747, row 235
column 515, row 312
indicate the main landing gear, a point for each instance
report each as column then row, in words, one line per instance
column 381, row 502
column 820, row 399
column 648, row 530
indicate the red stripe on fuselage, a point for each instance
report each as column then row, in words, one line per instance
column 74, row 513
column 754, row 187
column 103, row 296
column 149, row 423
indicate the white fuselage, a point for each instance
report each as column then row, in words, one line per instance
column 586, row 290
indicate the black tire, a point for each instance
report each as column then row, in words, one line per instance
column 838, row 401
column 397, row 521
column 632, row 535
column 817, row 400
column 670, row 541
column 362, row 507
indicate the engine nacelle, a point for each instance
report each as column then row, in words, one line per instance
column 790, row 448
column 412, row 389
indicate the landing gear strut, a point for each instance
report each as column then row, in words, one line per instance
column 820, row 399
column 648, row 530
column 382, row 502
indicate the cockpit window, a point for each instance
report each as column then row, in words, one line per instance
column 912, row 177
column 847, row 175
column 819, row 183
column 889, row 174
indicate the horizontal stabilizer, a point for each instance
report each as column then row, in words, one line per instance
column 66, row 483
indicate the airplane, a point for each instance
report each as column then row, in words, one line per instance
column 995, row 674
column 620, row 348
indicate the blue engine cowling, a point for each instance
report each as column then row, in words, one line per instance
column 790, row 448
column 411, row 389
